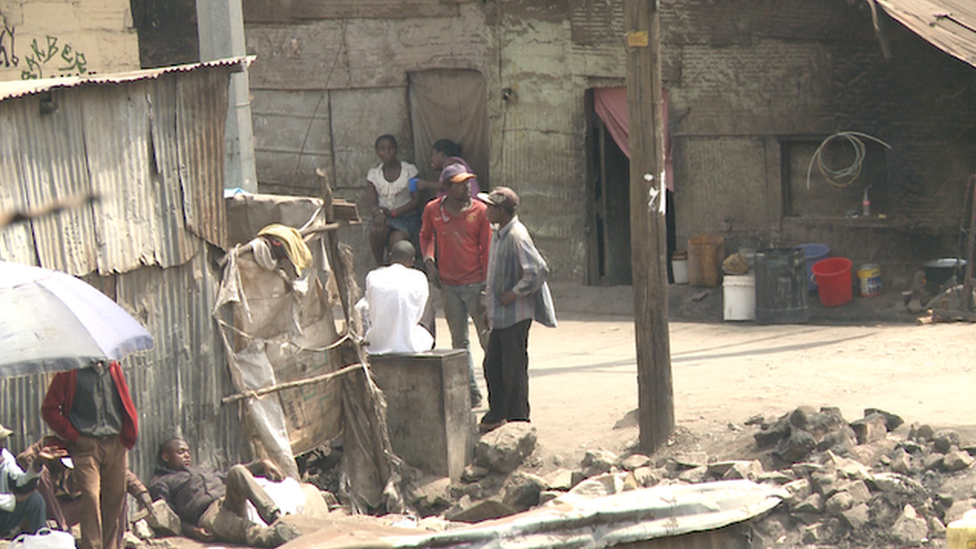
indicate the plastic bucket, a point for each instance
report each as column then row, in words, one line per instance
column 739, row 297
column 869, row 279
column 705, row 255
column 833, row 280
column 939, row 271
column 813, row 253
column 679, row 267
column 781, row 286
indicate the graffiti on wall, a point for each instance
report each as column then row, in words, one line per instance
column 44, row 58
column 47, row 59
column 7, row 56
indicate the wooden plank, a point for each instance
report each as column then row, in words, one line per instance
column 373, row 9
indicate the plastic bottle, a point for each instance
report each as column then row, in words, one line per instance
column 961, row 534
column 866, row 205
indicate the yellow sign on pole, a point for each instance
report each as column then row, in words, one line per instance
column 637, row 39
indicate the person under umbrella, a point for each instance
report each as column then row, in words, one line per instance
column 91, row 409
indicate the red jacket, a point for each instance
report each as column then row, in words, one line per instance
column 61, row 394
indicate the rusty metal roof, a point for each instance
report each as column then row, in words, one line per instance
column 19, row 88
column 149, row 144
column 949, row 25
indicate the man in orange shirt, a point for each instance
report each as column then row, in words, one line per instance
column 454, row 240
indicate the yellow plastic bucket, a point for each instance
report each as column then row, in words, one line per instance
column 869, row 277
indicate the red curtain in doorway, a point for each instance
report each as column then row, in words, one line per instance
column 610, row 105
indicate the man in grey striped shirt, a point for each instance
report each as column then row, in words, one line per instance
column 517, row 294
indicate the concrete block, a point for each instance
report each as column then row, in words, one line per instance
column 428, row 409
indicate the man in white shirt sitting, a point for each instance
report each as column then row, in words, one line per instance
column 19, row 503
column 396, row 297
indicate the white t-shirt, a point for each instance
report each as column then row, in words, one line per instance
column 392, row 194
column 396, row 297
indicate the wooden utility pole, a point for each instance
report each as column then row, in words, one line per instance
column 647, row 222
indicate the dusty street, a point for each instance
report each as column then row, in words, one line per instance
column 583, row 374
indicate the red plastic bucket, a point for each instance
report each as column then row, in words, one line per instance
column 833, row 280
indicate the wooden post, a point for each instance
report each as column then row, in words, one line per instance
column 647, row 222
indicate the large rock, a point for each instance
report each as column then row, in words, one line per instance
column 504, row 448
column 957, row 461
column 694, row 476
column 892, row 421
column 164, row 520
column 846, row 467
column 795, row 447
column 798, row 491
column 747, row 470
column 824, row 483
column 858, row 490
column 521, row 491
column 945, row 439
column 812, row 504
column 924, row 433
column 870, row 429
column 904, row 487
column 772, row 434
column 690, row 460
column 635, row 461
column 598, row 462
column 910, row 529
column 838, row 503
column 560, row 479
column 432, row 492
column 467, row 511
column 902, row 462
column 856, row 517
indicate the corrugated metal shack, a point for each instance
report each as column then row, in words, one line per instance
column 753, row 87
column 150, row 145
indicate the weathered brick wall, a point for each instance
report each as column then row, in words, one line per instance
column 48, row 39
column 745, row 79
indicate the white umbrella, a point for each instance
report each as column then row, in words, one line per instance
column 51, row 321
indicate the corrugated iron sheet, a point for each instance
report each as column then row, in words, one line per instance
column 19, row 88
column 949, row 25
column 176, row 386
column 152, row 149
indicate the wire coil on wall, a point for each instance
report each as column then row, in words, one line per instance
column 842, row 177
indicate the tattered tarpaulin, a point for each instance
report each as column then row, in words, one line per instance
column 610, row 105
column 949, row 25
column 282, row 332
column 627, row 517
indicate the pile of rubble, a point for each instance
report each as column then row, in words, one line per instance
column 849, row 483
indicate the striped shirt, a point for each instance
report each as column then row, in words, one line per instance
column 515, row 264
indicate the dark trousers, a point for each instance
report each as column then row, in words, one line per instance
column 100, row 475
column 507, row 372
column 29, row 509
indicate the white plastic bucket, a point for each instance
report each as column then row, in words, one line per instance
column 739, row 297
column 679, row 267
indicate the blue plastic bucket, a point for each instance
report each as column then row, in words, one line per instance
column 813, row 253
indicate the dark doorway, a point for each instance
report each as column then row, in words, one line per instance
column 608, row 216
column 608, row 188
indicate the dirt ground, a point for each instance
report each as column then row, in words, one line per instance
column 583, row 374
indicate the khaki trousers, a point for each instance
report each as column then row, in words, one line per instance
column 227, row 517
column 100, row 465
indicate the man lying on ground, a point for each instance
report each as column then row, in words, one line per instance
column 212, row 505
